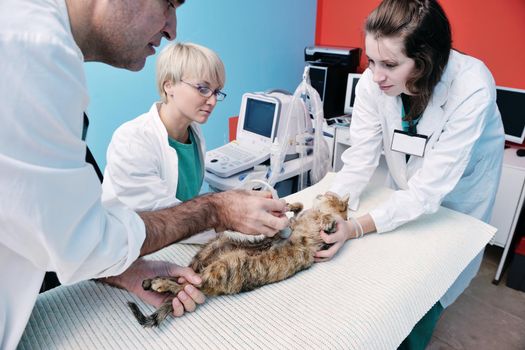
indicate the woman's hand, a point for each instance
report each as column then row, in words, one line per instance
column 355, row 228
column 344, row 232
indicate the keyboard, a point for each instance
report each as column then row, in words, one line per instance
column 233, row 158
column 235, row 152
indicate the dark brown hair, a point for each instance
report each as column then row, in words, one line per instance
column 426, row 34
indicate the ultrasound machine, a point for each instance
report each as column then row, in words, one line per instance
column 262, row 119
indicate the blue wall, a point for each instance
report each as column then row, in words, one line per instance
column 260, row 42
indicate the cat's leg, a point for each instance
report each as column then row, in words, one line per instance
column 224, row 275
column 155, row 318
column 208, row 253
column 278, row 263
column 240, row 272
column 295, row 208
column 328, row 224
column 162, row 284
column 203, row 254
column 224, row 246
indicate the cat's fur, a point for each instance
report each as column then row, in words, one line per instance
column 229, row 266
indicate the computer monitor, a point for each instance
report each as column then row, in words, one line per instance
column 272, row 115
column 318, row 79
column 511, row 104
column 258, row 119
column 351, row 84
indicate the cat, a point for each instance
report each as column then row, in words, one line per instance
column 230, row 266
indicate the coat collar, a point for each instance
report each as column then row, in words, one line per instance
column 392, row 114
column 431, row 124
column 433, row 115
column 159, row 125
column 163, row 133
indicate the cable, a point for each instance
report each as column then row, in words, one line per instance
column 264, row 184
column 286, row 232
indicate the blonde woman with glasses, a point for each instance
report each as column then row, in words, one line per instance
column 157, row 159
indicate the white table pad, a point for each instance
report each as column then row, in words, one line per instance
column 368, row 297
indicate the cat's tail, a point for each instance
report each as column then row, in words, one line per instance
column 155, row 318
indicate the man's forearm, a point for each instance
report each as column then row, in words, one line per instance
column 166, row 226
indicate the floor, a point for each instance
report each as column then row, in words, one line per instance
column 485, row 316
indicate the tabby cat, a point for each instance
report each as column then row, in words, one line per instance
column 229, row 266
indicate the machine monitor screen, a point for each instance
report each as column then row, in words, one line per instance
column 318, row 79
column 511, row 104
column 353, row 78
column 259, row 117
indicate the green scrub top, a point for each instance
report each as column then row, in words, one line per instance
column 190, row 169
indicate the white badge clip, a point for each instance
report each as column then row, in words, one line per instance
column 413, row 144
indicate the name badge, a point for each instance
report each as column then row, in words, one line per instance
column 413, row 144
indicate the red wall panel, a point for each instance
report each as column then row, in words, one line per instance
column 491, row 30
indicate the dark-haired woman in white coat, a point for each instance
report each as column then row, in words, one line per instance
column 432, row 111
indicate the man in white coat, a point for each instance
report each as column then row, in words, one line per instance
column 51, row 216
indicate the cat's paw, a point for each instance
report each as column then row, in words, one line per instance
column 329, row 225
column 326, row 246
column 146, row 284
column 295, row 207
column 162, row 285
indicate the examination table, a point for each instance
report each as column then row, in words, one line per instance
column 368, row 297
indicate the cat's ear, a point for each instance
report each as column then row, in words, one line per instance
column 331, row 195
column 344, row 203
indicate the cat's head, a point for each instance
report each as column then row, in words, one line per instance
column 332, row 203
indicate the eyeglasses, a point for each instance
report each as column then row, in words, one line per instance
column 205, row 91
column 172, row 5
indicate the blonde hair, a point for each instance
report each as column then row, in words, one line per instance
column 189, row 60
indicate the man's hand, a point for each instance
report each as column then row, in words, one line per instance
column 131, row 280
column 251, row 212
column 336, row 239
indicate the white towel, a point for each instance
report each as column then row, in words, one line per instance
column 368, row 297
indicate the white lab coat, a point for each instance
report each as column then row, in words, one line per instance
column 142, row 168
column 462, row 163
column 51, row 216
